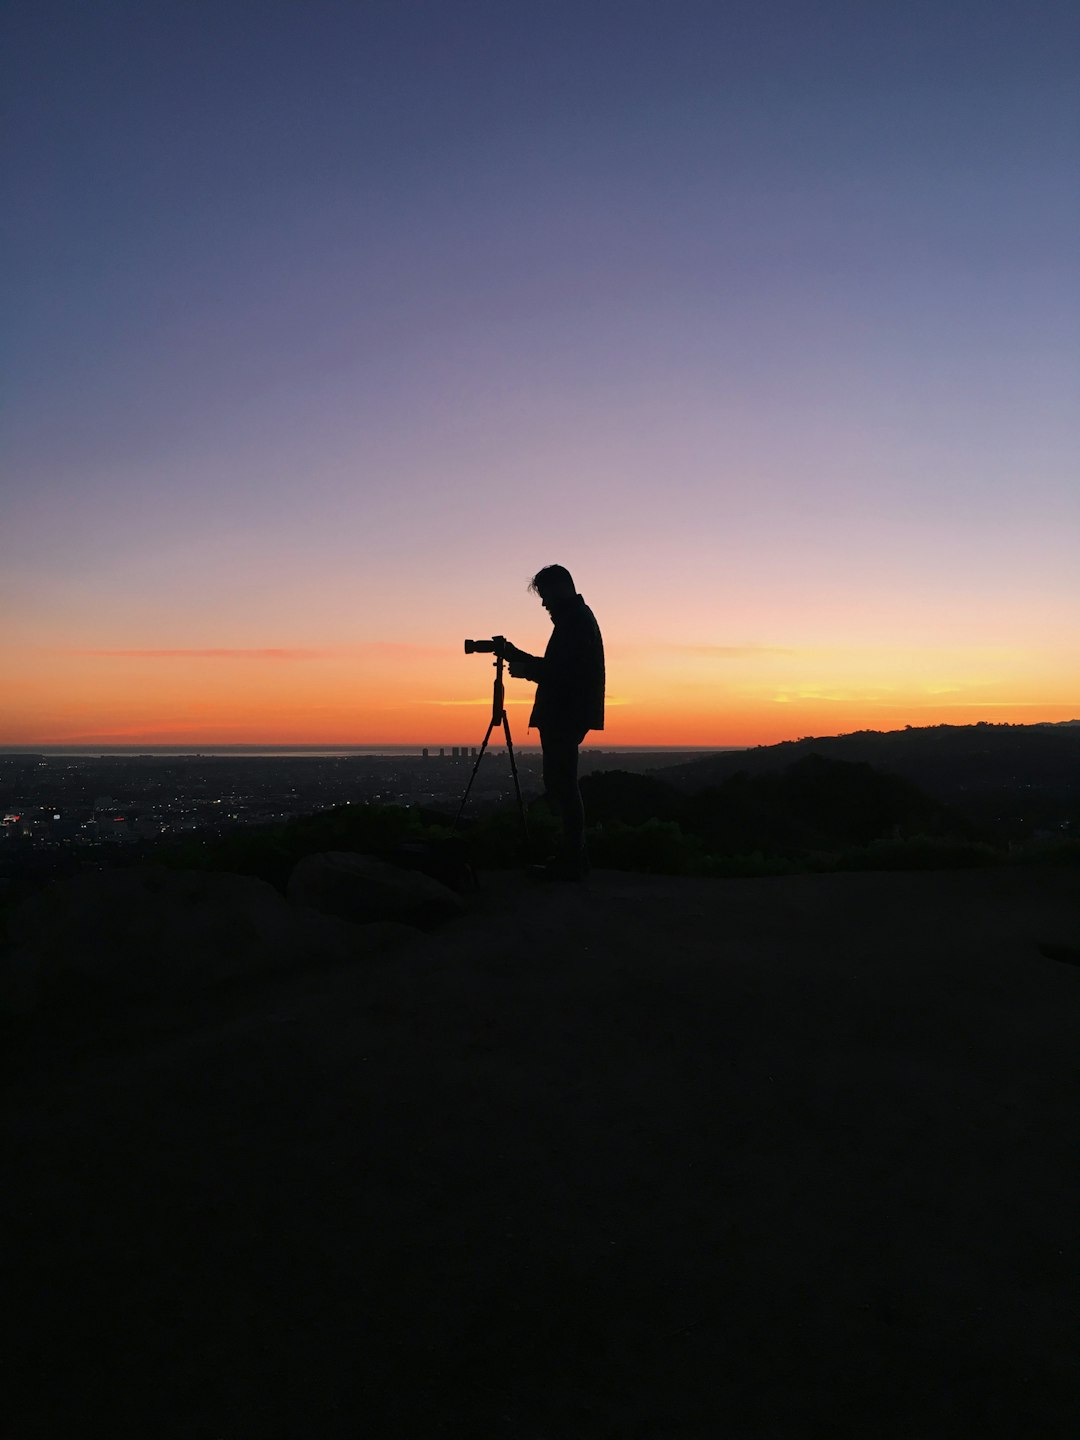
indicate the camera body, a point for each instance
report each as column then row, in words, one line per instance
column 495, row 646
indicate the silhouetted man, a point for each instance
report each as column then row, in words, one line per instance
column 569, row 702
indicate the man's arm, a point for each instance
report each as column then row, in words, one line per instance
column 524, row 666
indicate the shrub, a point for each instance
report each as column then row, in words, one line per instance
column 919, row 852
column 1048, row 852
column 495, row 841
column 618, row 796
column 658, row 846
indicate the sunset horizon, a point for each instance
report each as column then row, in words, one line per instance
column 311, row 697
column 435, row 737
column 327, row 332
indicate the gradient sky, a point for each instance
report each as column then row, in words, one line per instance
column 328, row 324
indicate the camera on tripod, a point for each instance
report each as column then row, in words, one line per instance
column 495, row 646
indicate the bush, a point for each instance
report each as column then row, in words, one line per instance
column 920, row 852
column 1048, row 852
column 612, row 796
column 495, row 842
column 658, row 846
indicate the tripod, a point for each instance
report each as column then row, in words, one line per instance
column 498, row 717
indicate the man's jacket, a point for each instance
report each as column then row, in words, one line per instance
column 570, row 677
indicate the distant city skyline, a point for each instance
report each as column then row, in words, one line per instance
column 329, row 325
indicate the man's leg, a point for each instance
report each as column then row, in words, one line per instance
column 560, row 751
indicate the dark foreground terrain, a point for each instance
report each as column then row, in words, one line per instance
column 646, row 1158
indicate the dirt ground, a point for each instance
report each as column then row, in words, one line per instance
column 642, row 1158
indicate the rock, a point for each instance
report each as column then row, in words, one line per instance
column 444, row 860
column 362, row 889
column 1066, row 954
column 149, row 930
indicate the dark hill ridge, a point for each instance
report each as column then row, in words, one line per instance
column 646, row 1157
column 947, row 761
column 1010, row 784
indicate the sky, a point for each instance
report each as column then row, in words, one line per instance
column 327, row 325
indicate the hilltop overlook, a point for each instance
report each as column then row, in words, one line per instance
column 326, row 1142
column 943, row 796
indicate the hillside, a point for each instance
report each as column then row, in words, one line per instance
column 946, row 760
column 1027, row 776
column 645, row 1157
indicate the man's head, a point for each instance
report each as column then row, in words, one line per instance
column 555, row 586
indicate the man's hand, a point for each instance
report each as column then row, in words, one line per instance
column 514, row 659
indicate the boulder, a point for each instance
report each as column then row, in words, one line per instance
column 150, row 931
column 362, row 889
column 446, row 860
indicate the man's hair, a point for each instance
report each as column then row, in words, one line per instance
column 549, row 576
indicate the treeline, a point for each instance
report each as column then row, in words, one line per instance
column 816, row 814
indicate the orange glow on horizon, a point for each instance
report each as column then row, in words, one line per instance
column 393, row 694
column 206, row 702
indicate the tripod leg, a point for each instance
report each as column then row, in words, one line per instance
column 475, row 768
column 513, row 771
